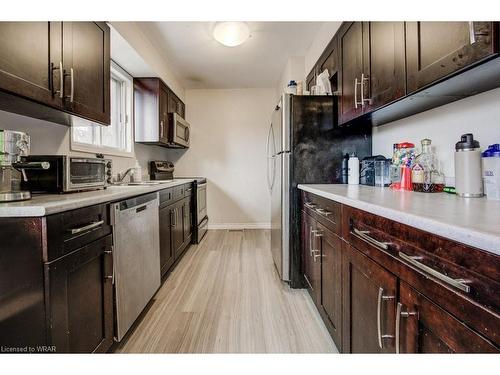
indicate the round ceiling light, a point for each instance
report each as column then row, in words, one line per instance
column 231, row 34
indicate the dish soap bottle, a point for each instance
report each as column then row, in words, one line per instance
column 425, row 174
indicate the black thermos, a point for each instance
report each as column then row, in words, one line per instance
column 345, row 168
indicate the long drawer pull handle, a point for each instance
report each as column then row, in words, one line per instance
column 363, row 235
column 93, row 225
column 309, row 205
column 456, row 283
column 401, row 314
column 322, row 211
column 381, row 298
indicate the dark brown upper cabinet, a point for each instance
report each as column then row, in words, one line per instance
column 384, row 63
column 65, row 66
column 351, row 63
column 311, row 79
column 434, row 50
column 153, row 101
column 372, row 56
column 86, row 62
column 30, row 55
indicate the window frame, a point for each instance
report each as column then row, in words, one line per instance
column 127, row 103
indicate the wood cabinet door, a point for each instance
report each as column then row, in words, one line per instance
column 386, row 69
column 178, row 229
column 424, row 327
column 166, row 249
column 369, row 297
column 163, row 108
column 331, row 279
column 311, row 258
column 187, row 219
column 30, row 60
column 79, row 296
column 351, row 65
column 86, row 60
column 436, row 49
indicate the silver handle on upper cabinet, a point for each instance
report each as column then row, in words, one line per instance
column 363, row 99
column 363, row 235
column 456, row 283
column 87, row 227
column 72, row 92
column 61, row 80
column 381, row 298
column 401, row 314
column 356, row 93
column 472, row 33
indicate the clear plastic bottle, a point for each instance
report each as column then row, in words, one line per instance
column 425, row 175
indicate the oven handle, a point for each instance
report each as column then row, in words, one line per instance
column 202, row 184
column 94, row 161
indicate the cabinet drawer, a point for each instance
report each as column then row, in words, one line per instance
column 463, row 280
column 326, row 211
column 188, row 190
column 70, row 230
column 179, row 191
column 166, row 196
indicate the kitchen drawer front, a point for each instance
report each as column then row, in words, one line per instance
column 188, row 190
column 463, row 280
column 180, row 191
column 73, row 229
column 166, row 196
column 326, row 211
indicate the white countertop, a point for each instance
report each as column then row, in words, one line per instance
column 473, row 221
column 47, row 204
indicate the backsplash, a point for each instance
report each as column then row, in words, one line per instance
column 479, row 114
column 50, row 138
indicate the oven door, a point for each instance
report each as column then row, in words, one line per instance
column 84, row 173
column 179, row 130
column 201, row 201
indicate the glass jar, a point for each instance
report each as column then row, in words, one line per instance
column 425, row 175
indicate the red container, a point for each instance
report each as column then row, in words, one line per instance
column 406, row 179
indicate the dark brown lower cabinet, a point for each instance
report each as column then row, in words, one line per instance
column 331, row 280
column 166, row 251
column 79, row 299
column 369, row 302
column 424, row 327
column 311, row 266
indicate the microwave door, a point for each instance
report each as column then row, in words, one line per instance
column 180, row 131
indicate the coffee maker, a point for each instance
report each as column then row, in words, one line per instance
column 14, row 146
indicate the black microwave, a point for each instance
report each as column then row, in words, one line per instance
column 67, row 174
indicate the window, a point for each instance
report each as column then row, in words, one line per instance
column 115, row 139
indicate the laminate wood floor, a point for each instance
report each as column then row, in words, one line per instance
column 225, row 297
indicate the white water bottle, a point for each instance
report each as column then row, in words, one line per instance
column 353, row 170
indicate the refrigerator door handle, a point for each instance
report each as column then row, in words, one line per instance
column 270, row 181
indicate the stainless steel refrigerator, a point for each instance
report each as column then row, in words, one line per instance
column 304, row 145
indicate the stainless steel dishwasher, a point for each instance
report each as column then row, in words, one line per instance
column 136, row 257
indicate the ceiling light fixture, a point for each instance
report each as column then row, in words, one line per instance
column 231, row 34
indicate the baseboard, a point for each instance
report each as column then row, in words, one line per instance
column 239, row 225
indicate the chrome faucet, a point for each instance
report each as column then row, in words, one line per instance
column 121, row 176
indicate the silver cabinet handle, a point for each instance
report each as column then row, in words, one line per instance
column 93, row 225
column 310, row 205
column 72, row 92
column 363, row 235
column 472, row 33
column 322, row 211
column 61, row 79
column 401, row 314
column 381, row 298
column 356, row 93
column 161, row 129
column 456, row 283
column 363, row 99
column 312, row 232
column 316, row 255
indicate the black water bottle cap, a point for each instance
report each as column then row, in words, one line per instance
column 467, row 142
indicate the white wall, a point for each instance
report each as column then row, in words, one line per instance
column 228, row 136
column 48, row 138
column 318, row 45
column 294, row 70
column 135, row 36
column 479, row 114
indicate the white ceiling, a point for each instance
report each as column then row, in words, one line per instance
column 201, row 62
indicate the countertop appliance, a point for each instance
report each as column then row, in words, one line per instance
column 179, row 131
column 68, row 174
column 164, row 170
column 136, row 257
column 304, row 145
column 14, row 146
